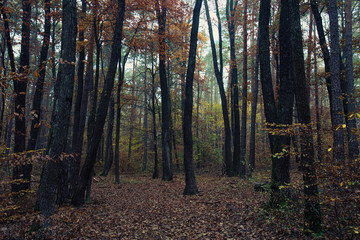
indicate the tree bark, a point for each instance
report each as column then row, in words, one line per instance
column 336, row 104
column 218, row 69
column 20, row 85
column 165, row 95
column 270, row 108
column 242, row 169
column 61, row 115
column 312, row 211
column 348, row 86
column 235, row 114
column 109, row 153
column 255, row 92
column 38, row 95
column 86, row 171
column 190, row 182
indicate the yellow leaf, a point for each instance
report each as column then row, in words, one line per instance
column 344, row 125
column 329, row 150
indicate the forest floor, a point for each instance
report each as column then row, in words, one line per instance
column 142, row 208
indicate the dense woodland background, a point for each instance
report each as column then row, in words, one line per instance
column 256, row 102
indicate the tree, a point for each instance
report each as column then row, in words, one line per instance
column 38, row 95
column 235, row 115
column 165, row 94
column 242, row 169
column 312, row 211
column 20, row 84
column 218, row 69
column 336, row 104
column 61, row 115
column 190, row 182
column 86, row 171
column 347, row 86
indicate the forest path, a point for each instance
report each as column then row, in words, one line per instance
column 142, row 208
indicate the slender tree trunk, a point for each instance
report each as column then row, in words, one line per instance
column 242, row 169
column 109, row 152
column 219, row 77
column 38, row 95
column 86, row 171
column 165, row 95
column 348, row 86
column 336, row 104
column 154, row 132
column 270, row 108
column 230, row 14
column 75, row 161
column 255, row 91
column 312, row 211
column 20, row 84
column 132, row 114
column 190, row 182
column 281, row 167
column 61, row 116
column 324, row 48
column 317, row 109
column 145, row 116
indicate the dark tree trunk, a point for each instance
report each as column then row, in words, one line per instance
column 336, row 103
column 86, row 171
column 61, row 115
column 132, row 111
column 118, row 117
column 255, row 91
column 219, row 77
column 94, row 90
column 165, row 96
column 75, row 161
column 190, row 182
column 146, row 107
column 154, row 132
column 312, row 211
column 281, row 166
column 265, row 69
column 38, row 95
column 89, row 75
column 242, row 169
column 317, row 109
column 348, row 86
column 235, row 115
column 323, row 45
column 109, row 153
column 20, row 83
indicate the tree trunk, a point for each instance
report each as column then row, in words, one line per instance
column 348, row 86
column 242, row 169
column 154, row 132
column 312, row 211
column 281, row 166
column 190, row 182
column 270, row 108
column 109, row 153
column 75, row 161
column 145, row 116
column 20, row 83
column 61, row 115
column 165, row 95
column 255, row 91
column 235, row 115
column 86, row 171
column 38, row 95
column 324, row 48
column 336, row 104
column 219, row 77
